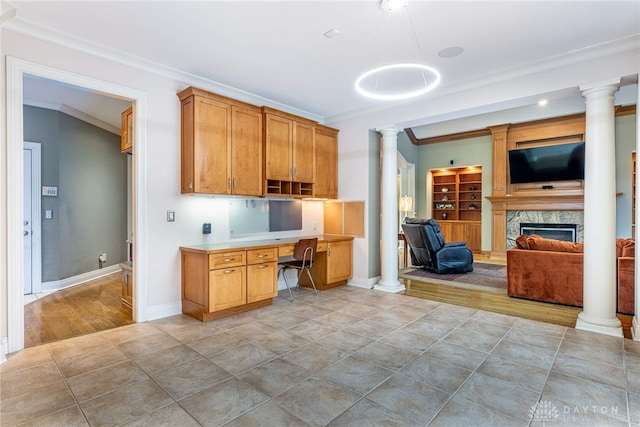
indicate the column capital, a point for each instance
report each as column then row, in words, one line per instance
column 389, row 131
column 607, row 87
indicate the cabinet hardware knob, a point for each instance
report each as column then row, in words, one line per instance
column 229, row 259
column 229, row 271
column 263, row 256
column 263, row 266
column 191, row 186
column 229, row 183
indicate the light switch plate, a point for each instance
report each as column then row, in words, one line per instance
column 50, row 191
column 171, row 216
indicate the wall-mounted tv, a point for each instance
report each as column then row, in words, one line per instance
column 560, row 162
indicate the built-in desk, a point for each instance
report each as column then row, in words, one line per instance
column 222, row 279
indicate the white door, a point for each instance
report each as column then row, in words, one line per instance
column 32, row 274
column 27, row 230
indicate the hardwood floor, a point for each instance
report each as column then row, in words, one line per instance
column 502, row 303
column 91, row 307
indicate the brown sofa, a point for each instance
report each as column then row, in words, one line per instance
column 552, row 271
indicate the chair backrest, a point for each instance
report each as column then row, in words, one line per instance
column 434, row 236
column 416, row 237
column 304, row 250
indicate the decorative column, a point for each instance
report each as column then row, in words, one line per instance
column 389, row 206
column 599, row 302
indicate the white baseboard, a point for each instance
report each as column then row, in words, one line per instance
column 57, row 285
column 164, row 310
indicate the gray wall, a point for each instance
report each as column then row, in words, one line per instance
column 90, row 211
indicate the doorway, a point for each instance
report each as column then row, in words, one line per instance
column 16, row 70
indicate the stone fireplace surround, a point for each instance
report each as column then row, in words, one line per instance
column 515, row 217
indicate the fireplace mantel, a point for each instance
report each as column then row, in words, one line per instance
column 537, row 202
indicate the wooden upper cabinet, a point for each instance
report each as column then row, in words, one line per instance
column 289, row 147
column 278, row 136
column 303, row 152
column 221, row 150
column 246, row 151
column 126, row 131
column 326, row 176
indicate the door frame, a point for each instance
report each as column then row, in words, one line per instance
column 15, row 70
column 36, row 219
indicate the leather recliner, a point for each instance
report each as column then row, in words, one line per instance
column 430, row 251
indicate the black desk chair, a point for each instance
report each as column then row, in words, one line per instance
column 302, row 261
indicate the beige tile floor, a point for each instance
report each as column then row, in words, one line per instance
column 349, row 356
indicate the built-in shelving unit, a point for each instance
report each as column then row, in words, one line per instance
column 289, row 188
column 457, row 194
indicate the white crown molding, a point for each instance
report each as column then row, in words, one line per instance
column 32, row 29
column 63, row 108
column 89, row 119
column 7, row 11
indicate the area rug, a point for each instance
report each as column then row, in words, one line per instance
column 491, row 277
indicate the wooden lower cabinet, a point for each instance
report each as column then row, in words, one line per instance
column 262, row 274
column 227, row 288
column 331, row 267
column 222, row 283
column 466, row 231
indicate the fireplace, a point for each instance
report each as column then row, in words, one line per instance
column 566, row 232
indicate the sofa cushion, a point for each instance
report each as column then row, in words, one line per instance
column 625, row 248
column 534, row 242
column 629, row 249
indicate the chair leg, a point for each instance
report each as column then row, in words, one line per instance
column 311, row 278
column 284, row 275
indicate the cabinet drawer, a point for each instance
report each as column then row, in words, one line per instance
column 322, row 247
column 227, row 259
column 286, row 250
column 257, row 256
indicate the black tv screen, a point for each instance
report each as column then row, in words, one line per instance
column 561, row 162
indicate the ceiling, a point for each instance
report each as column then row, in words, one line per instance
column 276, row 50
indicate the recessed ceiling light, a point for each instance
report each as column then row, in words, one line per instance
column 451, row 52
column 543, row 102
column 332, row 33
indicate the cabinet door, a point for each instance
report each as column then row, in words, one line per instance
column 126, row 132
column 303, row 152
column 212, row 145
column 447, row 229
column 278, row 137
column 227, row 288
column 262, row 281
column 339, row 261
column 474, row 236
column 246, row 152
column 326, row 176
